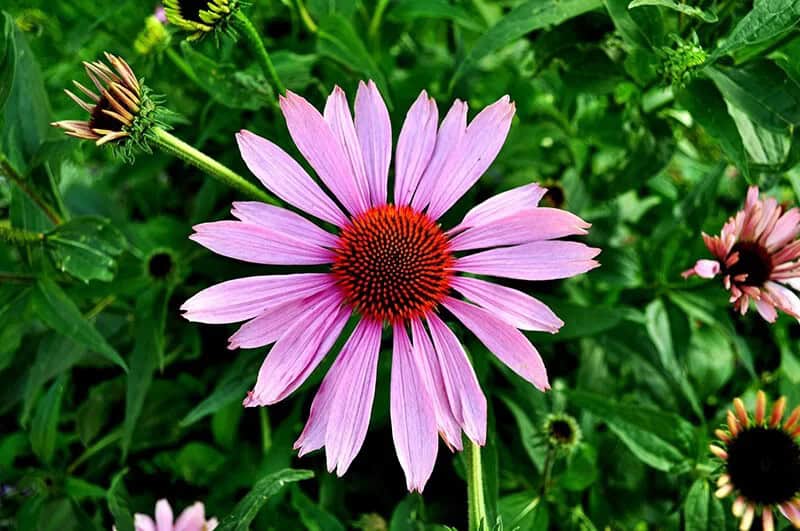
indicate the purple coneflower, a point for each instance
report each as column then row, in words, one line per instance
column 193, row 518
column 390, row 263
column 757, row 253
column 762, row 462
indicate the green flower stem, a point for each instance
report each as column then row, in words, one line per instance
column 182, row 65
column 306, row 17
column 8, row 171
column 19, row 237
column 181, row 149
column 548, row 470
column 377, row 16
column 252, row 36
column 477, row 503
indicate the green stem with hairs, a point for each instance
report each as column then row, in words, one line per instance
column 478, row 520
column 257, row 44
column 8, row 171
column 175, row 146
column 19, row 237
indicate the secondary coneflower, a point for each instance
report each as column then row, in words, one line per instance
column 757, row 255
column 761, row 462
column 200, row 17
column 389, row 263
column 193, row 518
column 562, row 432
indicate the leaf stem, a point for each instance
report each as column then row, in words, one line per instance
column 182, row 65
column 257, row 44
column 20, row 237
column 305, row 16
column 548, row 470
column 175, row 146
column 476, row 501
column 377, row 16
column 10, row 172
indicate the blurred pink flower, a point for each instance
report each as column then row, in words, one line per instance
column 161, row 14
column 389, row 263
column 193, row 518
column 757, row 253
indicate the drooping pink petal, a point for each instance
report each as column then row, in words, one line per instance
column 703, row 269
column 786, row 229
column 446, row 154
column 351, row 403
column 374, row 131
column 449, row 427
column 313, row 435
column 318, row 144
column 414, row 147
column 522, row 227
column 268, row 327
column 463, row 390
column 766, row 310
column 503, row 340
column 193, row 518
column 299, row 350
column 164, row 518
column 482, row 141
column 547, row 260
column 142, row 522
column 285, row 178
column 504, row 204
column 244, row 298
column 413, row 418
column 518, row 309
column 786, row 299
column 337, row 116
column 284, row 221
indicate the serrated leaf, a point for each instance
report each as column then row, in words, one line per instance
column 44, row 427
column 86, row 248
column 686, row 9
column 768, row 19
column 247, row 509
column 57, row 310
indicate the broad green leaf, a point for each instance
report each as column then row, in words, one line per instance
column 768, row 19
column 57, row 311
column 686, row 9
column 702, row 99
column 762, row 91
column 13, row 320
column 247, row 509
column 8, row 58
column 581, row 468
column 662, row 440
column 118, row 504
column 579, row 321
column 406, row 10
column 44, row 427
column 525, row 18
column 642, row 27
column 702, row 511
column 407, row 514
column 55, row 355
column 693, row 209
column 524, row 511
column 79, row 489
column 86, row 248
column 766, row 148
column 314, row 517
column 294, row 69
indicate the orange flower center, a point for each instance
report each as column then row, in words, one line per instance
column 393, row 263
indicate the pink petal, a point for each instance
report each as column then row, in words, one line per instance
column 414, row 147
column 212, row 524
column 374, row 131
column 142, row 522
column 257, row 244
column 318, row 144
column 193, row 518
column 449, row 427
column 445, row 156
column 351, row 403
column 413, row 418
column 518, row 309
column 503, row 340
column 522, row 227
column 285, row 178
column 545, row 260
column 299, row 350
column 269, row 326
column 703, row 269
column 786, row 229
column 785, row 298
column 164, row 516
column 485, row 135
column 503, row 205
column 766, row 310
column 284, row 221
column 244, row 298
column 463, row 391
column 337, row 116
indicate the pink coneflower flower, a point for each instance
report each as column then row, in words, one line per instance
column 762, row 462
column 389, row 263
column 193, row 518
column 757, row 253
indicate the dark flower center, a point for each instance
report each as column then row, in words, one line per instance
column 190, row 9
column 393, row 263
column 554, row 196
column 102, row 121
column 754, row 261
column 561, row 430
column 764, row 465
column 160, row 265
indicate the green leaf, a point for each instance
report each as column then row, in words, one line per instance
column 118, row 504
column 57, row 310
column 702, row 99
column 407, row 10
column 13, row 321
column 581, row 468
column 662, row 440
column 85, row 248
column 693, row 209
column 677, row 6
column 314, row 517
column 524, row 511
column 55, row 355
column 44, row 427
column 338, row 40
column 8, row 58
column 702, row 511
column 768, row 150
column 763, row 91
column 527, row 17
column 247, row 509
column 767, row 20
column 641, row 28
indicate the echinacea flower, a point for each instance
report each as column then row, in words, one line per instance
column 193, row 518
column 761, row 462
column 388, row 263
column 562, row 432
column 757, row 255
column 199, row 17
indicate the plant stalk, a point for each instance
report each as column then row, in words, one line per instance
column 257, row 44
column 19, row 237
column 306, row 17
column 8, row 171
column 476, row 501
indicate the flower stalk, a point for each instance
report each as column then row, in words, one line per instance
column 257, row 44
column 477, row 517
column 19, row 237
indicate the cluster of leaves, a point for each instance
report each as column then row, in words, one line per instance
column 646, row 118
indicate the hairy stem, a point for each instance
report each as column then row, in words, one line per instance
column 257, row 44
column 19, row 237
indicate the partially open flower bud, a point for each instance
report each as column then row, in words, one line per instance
column 200, row 17
column 562, row 431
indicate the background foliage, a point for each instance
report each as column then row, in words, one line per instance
column 647, row 119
